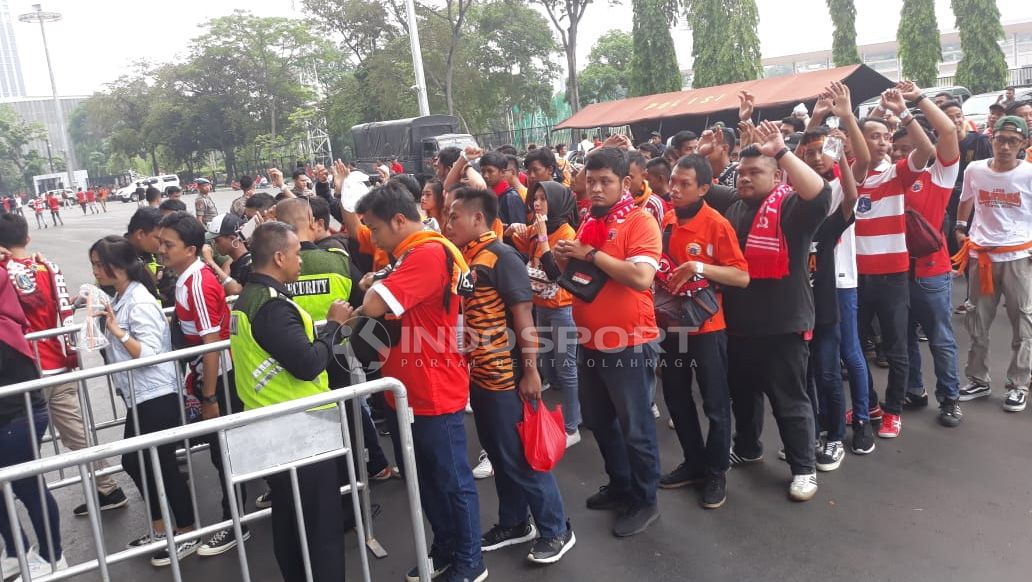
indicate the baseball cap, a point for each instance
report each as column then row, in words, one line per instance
column 222, row 224
column 656, row 134
column 1012, row 123
column 202, row 181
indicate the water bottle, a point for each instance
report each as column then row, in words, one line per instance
column 832, row 145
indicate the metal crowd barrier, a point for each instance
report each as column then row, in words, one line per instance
column 311, row 436
column 81, row 376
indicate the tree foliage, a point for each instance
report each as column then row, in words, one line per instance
column 654, row 61
column 15, row 137
column 607, row 75
column 843, row 39
column 983, row 67
column 918, row 37
column 566, row 16
column 725, row 45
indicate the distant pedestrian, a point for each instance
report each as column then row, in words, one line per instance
column 80, row 197
column 55, row 209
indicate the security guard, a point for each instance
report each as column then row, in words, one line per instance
column 325, row 278
column 278, row 358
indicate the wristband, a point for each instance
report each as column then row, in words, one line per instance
column 228, row 280
column 590, row 257
column 463, row 154
column 907, row 121
column 906, row 114
column 213, row 399
column 700, row 267
column 920, row 99
column 960, row 224
column 125, row 338
column 780, row 154
column 542, row 238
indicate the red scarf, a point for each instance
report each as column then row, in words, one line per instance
column 765, row 247
column 595, row 231
column 501, row 188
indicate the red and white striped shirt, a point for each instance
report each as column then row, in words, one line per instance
column 881, row 241
column 201, row 309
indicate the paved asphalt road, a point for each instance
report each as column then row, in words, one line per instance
column 936, row 504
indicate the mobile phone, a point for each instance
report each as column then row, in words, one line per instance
column 247, row 229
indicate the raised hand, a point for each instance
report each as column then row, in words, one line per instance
column 842, row 102
column 892, row 100
column 707, row 142
column 275, row 177
column 771, row 140
column 617, row 141
column 340, row 172
column 473, row 152
column 746, row 105
column 909, row 90
column 823, row 107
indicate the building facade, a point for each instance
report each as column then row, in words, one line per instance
column 11, row 82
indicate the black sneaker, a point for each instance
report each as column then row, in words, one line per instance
column 499, row 537
column 950, row 414
column 221, row 542
column 551, row 550
column 1017, row 399
column 145, row 539
column 183, row 549
column 881, row 360
column 863, row 437
column 920, row 333
column 830, row 456
column 439, row 564
column 974, row 389
column 635, row 520
column 112, row 500
column 606, row 499
column 737, row 460
column 477, row 574
column 681, row 476
column 912, row 401
column 714, row 492
column 264, row 500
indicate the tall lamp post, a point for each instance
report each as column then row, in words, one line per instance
column 417, row 58
column 42, row 17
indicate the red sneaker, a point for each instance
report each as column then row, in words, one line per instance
column 890, row 426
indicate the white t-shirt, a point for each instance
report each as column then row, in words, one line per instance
column 1003, row 207
column 587, row 145
column 845, row 250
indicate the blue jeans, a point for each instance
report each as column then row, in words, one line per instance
column 704, row 358
column 930, row 306
column 827, row 373
column 16, row 447
column 616, row 398
column 446, row 489
column 558, row 366
column 519, row 487
column 852, row 354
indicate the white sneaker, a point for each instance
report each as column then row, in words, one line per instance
column 1017, row 399
column 803, row 487
column 655, row 411
column 572, row 439
column 8, row 565
column 38, row 567
column 483, row 470
column 469, row 407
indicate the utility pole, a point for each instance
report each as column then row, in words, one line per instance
column 417, row 58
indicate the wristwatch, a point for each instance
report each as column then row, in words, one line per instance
column 213, row 399
column 590, row 256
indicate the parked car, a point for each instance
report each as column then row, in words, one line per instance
column 162, row 183
column 67, row 196
column 976, row 109
column 128, row 193
column 961, row 94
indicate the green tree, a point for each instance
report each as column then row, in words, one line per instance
column 918, row 37
column 725, row 46
column 607, row 75
column 15, row 137
column 362, row 27
column 654, row 61
column 843, row 40
column 566, row 16
column 983, row 67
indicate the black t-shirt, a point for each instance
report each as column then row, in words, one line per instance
column 720, row 197
column 823, row 275
column 777, row 306
column 240, row 269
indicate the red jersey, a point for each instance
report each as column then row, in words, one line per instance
column 427, row 359
column 54, row 204
column 80, row 196
column 929, row 196
column 39, row 205
column 201, row 309
column 881, row 240
column 41, row 289
column 91, row 196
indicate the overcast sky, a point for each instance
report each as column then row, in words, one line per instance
column 98, row 39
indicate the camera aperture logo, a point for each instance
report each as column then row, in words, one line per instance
column 364, row 343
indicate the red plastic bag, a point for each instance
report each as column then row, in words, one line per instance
column 543, row 434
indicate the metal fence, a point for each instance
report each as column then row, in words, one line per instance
column 326, row 436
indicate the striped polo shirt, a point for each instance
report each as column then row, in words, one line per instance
column 881, row 241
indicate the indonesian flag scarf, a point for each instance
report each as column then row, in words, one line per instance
column 765, row 247
column 594, row 231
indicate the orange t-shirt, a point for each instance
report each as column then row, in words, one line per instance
column 621, row 317
column 710, row 239
column 366, row 246
column 527, row 246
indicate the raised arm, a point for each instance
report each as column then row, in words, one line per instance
column 807, row 183
column 349, row 219
column 948, row 146
column 923, row 148
column 842, row 107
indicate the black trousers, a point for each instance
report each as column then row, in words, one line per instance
column 704, row 357
column 234, row 406
column 888, row 298
column 774, row 366
column 324, row 523
column 154, row 415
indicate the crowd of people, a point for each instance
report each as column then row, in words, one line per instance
column 758, row 264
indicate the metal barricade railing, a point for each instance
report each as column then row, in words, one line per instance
column 325, row 439
column 81, row 376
